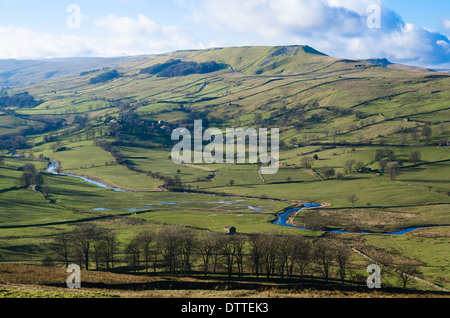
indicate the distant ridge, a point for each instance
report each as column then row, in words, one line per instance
column 386, row 63
column 250, row 60
column 441, row 70
column 14, row 73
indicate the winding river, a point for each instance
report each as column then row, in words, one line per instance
column 52, row 169
column 283, row 219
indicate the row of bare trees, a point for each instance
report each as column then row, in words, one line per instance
column 88, row 244
column 181, row 251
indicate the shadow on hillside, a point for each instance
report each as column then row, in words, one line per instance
column 254, row 284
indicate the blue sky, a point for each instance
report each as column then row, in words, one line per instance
column 411, row 31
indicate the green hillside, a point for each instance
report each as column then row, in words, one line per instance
column 329, row 104
column 371, row 130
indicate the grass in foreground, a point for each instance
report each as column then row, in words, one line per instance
column 25, row 281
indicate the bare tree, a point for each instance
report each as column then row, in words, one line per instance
column 293, row 141
column 233, row 253
column 284, row 254
column 188, row 243
column 301, row 255
column 392, row 169
column 352, row 198
column 167, row 241
column 269, row 250
column 239, row 242
column 228, row 250
column 174, row 252
column 306, row 162
column 426, row 132
column 327, row 172
column 132, row 252
column 255, row 256
column 407, row 273
column 415, row 157
column 63, row 247
column 323, row 256
column 109, row 249
column 383, row 163
column 105, row 247
column 348, row 166
column 342, row 259
column 207, row 246
column 146, row 239
column 84, row 237
column 219, row 242
column 98, row 253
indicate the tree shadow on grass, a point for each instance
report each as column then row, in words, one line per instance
column 424, row 181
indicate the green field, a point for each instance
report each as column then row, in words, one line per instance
column 428, row 248
column 330, row 111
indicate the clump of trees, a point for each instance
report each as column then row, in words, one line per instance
column 351, row 166
column 306, row 162
column 327, row 172
column 392, row 169
column 21, row 100
column 13, row 142
column 174, row 185
column 30, row 176
column 105, row 77
column 384, row 154
column 86, row 245
column 89, row 72
column 415, row 157
column 385, row 158
column 175, row 67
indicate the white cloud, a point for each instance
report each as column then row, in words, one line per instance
column 358, row 6
column 129, row 26
column 273, row 18
column 125, row 36
column 22, row 43
column 335, row 27
column 447, row 24
column 143, row 35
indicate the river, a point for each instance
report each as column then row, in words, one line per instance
column 52, row 169
column 282, row 219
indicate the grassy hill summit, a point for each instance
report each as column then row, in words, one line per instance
column 368, row 140
column 272, row 83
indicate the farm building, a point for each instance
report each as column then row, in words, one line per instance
column 230, row 230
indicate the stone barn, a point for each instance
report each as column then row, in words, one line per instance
column 230, row 230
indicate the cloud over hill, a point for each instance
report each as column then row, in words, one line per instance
column 336, row 27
